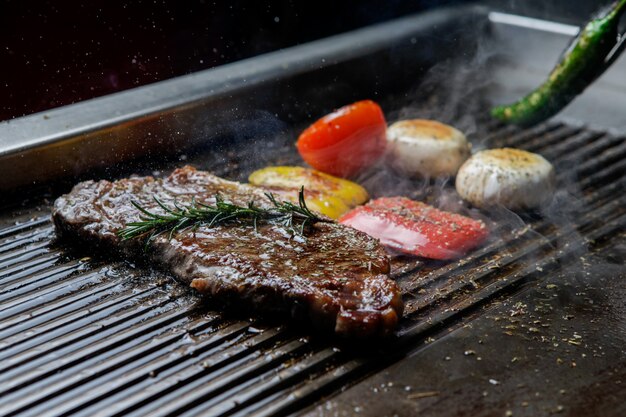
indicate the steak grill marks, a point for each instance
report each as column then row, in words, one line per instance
column 336, row 277
column 93, row 340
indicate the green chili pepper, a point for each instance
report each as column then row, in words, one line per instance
column 588, row 56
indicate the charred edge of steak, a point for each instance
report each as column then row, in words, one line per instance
column 323, row 313
column 350, row 299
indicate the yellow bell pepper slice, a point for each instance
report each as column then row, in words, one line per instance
column 324, row 193
column 326, row 204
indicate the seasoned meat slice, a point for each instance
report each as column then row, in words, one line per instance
column 335, row 277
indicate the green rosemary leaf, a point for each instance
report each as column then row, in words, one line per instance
column 295, row 218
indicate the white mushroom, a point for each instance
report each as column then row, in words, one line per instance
column 426, row 148
column 513, row 178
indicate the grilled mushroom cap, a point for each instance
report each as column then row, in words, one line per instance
column 513, row 178
column 426, row 148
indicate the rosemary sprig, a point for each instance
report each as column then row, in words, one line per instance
column 293, row 217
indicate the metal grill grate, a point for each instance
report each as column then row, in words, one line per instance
column 85, row 338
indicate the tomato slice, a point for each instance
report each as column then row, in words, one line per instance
column 346, row 141
column 416, row 228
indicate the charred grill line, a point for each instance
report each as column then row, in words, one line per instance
column 608, row 157
column 210, row 363
column 65, row 307
column 91, row 287
column 515, row 137
column 142, row 329
column 64, row 338
column 282, row 403
column 65, row 299
column 37, row 281
column 22, row 379
column 226, row 386
column 128, row 366
column 18, row 252
column 609, row 173
column 32, row 240
column 277, row 379
column 549, row 139
column 42, row 260
column 49, row 284
column 586, row 143
column 31, row 224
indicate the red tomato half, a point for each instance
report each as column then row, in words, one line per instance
column 346, row 141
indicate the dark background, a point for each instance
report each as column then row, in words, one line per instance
column 59, row 52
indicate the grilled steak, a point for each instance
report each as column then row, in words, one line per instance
column 336, row 277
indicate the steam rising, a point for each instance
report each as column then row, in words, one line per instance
column 455, row 92
column 452, row 92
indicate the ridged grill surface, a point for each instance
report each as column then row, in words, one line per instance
column 86, row 337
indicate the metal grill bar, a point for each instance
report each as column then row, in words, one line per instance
column 60, row 341
column 76, row 302
column 31, row 236
column 37, row 261
column 49, row 285
column 224, row 388
column 31, row 224
column 214, row 359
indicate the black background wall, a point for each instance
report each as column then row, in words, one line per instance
column 58, row 52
